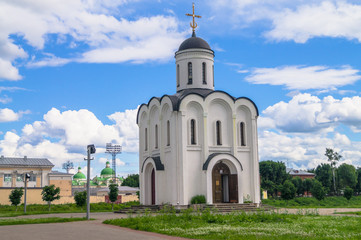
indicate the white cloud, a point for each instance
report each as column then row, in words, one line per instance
column 302, row 77
column 8, row 115
column 307, row 113
column 306, row 151
column 117, row 161
column 325, row 19
column 95, row 26
column 62, row 136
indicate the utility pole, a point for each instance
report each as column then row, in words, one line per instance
column 26, row 177
column 90, row 150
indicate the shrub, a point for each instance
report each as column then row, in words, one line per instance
column 288, row 190
column 15, row 197
column 317, row 190
column 198, row 199
column 80, row 198
column 348, row 193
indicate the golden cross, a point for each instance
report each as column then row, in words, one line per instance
column 194, row 25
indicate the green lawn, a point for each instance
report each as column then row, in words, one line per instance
column 9, row 211
column 311, row 202
column 259, row 225
column 20, row 221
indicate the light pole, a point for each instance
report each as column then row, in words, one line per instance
column 26, row 177
column 113, row 150
column 90, row 150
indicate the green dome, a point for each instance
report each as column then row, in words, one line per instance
column 107, row 171
column 79, row 175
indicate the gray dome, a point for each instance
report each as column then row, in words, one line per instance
column 194, row 42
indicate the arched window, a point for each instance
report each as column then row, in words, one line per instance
column 177, row 75
column 190, row 73
column 219, row 132
column 193, row 132
column 213, row 74
column 156, row 137
column 204, row 72
column 168, row 133
column 242, row 133
column 145, row 139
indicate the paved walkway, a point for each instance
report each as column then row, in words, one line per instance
column 95, row 230
column 89, row 230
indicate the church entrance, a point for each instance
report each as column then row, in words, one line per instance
column 153, row 187
column 224, row 184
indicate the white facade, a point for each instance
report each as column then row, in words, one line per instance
column 198, row 141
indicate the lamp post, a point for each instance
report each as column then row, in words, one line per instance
column 90, row 150
column 26, row 177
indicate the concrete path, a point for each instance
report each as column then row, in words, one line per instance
column 89, row 230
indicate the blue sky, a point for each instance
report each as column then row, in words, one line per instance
column 74, row 72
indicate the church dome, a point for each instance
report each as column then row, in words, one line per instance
column 107, row 170
column 194, row 42
column 79, row 175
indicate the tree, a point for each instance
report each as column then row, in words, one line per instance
column 333, row 157
column 132, row 180
column 113, row 194
column 15, row 197
column 307, row 185
column 347, row 177
column 348, row 193
column 50, row 193
column 288, row 190
column 80, row 198
column 324, row 175
column 358, row 184
column 274, row 172
column 317, row 190
column 297, row 182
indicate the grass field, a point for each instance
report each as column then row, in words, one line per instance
column 38, row 220
column 9, row 211
column 260, row 225
column 311, row 202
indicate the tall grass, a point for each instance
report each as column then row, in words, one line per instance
column 311, row 202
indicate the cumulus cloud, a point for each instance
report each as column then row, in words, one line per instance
column 307, row 113
column 62, row 136
column 306, row 151
column 325, row 19
column 303, row 77
column 8, row 115
column 297, row 20
column 98, row 28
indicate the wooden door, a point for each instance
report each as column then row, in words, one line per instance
column 218, row 171
column 233, row 188
column 153, row 187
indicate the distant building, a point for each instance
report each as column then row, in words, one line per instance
column 13, row 170
column 300, row 173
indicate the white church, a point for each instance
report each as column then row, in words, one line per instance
column 199, row 141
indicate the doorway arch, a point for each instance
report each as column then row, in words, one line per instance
column 150, row 184
column 224, row 184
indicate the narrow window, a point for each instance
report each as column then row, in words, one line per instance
column 243, row 140
column 7, row 177
column 193, row 132
column 156, row 136
column 168, row 133
column 204, row 76
column 190, row 74
column 177, row 75
column 213, row 74
column 146, row 139
column 219, row 132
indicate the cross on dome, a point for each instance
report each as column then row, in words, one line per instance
column 194, row 25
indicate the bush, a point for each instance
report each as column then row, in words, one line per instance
column 288, row 190
column 198, row 199
column 15, row 197
column 348, row 193
column 80, row 198
column 318, row 191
